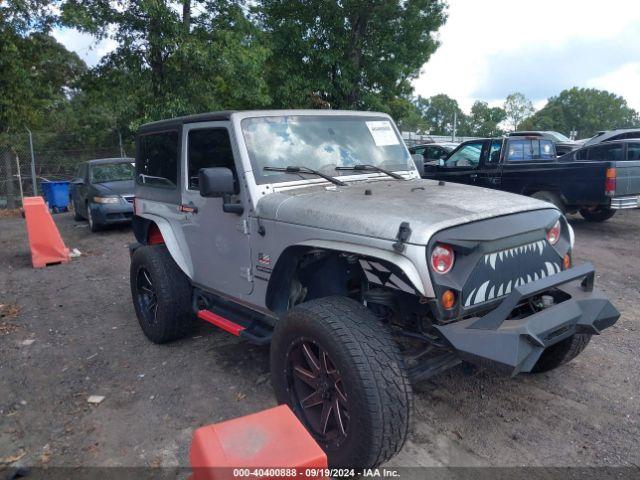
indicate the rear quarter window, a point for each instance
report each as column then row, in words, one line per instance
column 633, row 151
column 607, row 152
column 157, row 162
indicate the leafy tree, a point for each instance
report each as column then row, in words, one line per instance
column 438, row 113
column 484, row 120
column 585, row 110
column 517, row 107
column 167, row 64
column 348, row 54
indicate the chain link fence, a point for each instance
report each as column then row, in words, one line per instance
column 54, row 158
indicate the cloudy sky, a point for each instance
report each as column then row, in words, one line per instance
column 490, row 48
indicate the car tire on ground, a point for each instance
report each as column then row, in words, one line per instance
column 76, row 212
column 552, row 198
column 561, row 353
column 333, row 356
column 93, row 226
column 599, row 214
column 161, row 294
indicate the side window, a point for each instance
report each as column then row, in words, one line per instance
column 582, row 154
column 631, row 135
column 606, row 152
column 466, row 156
column 633, row 151
column 208, row 147
column 494, row 151
column 157, row 163
column 433, row 153
column 417, row 150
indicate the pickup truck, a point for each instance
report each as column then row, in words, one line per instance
column 595, row 181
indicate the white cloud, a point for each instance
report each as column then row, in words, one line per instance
column 477, row 33
column 623, row 81
column 85, row 45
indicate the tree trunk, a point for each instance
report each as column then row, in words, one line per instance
column 186, row 15
column 9, row 186
column 354, row 57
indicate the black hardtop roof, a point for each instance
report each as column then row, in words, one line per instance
column 100, row 161
column 177, row 122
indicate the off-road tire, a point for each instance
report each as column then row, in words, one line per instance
column 174, row 316
column 552, row 198
column 598, row 215
column 374, row 377
column 561, row 353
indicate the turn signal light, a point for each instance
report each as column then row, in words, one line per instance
column 553, row 234
column 442, row 258
column 566, row 261
column 448, row 300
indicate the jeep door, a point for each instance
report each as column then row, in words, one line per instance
column 217, row 242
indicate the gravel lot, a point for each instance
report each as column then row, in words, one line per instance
column 69, row 331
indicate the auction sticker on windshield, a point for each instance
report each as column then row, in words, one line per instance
column 382, row 133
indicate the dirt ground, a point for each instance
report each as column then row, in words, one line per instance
column 69, row 331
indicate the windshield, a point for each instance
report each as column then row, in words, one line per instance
column 558, row 137
column 322, row 143
column 112, row 172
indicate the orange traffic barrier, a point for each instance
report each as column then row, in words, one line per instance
column 266, row 444
column 45, row 241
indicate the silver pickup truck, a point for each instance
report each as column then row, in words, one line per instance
column 312, row 231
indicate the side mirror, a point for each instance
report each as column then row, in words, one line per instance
column 216, row 182
column 419, row 161
column 441, row 162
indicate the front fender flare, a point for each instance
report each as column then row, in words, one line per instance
column 401, row 261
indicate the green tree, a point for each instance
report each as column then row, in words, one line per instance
column 585, row 110
column 438, row 113
column 517, row 107
column 484, row 120
column 348, row 54
column 170, row 61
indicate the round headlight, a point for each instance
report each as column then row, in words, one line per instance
column 442, row 258
column 553, row 234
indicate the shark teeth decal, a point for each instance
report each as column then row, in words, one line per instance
column 520, row 265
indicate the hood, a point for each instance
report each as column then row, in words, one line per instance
column 122, row 187
column 427, row 206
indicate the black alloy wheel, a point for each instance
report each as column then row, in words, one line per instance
column 317, row 392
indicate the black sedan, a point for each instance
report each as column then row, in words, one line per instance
column 102, row 192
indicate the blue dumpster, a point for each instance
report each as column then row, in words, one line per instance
column 56, row 194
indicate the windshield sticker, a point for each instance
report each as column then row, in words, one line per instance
column 382, row 133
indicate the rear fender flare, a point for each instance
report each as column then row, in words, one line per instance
column 174, row 241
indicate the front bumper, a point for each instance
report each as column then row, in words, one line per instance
column 112, row 213
column 516, row 345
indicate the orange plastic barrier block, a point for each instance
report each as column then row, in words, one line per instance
column 45, row 241
column 270, row 442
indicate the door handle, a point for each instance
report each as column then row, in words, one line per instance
column 473, row 175
column 190, row 208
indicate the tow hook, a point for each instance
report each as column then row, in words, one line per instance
column 546, row 301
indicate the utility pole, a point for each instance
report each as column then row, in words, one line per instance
column 455, row 126
column 120, row 143
column 33, row 165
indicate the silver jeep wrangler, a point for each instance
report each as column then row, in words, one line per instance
column 313, row 232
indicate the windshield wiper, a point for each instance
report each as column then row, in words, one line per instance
column 372, row 168
column 297, row 169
